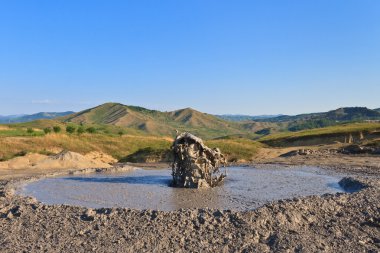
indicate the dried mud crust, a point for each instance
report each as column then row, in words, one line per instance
column 329, row 223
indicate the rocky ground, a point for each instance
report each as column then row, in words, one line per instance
column 329, row 223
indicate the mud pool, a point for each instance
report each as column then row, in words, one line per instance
column 245, row 188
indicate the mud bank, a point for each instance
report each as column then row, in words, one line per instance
column 330, row 223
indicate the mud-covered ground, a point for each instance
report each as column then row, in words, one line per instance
column 329, row 223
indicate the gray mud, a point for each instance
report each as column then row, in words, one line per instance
column 340, row 222
column 245, row 188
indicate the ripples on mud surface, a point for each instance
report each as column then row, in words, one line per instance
column 245, row 188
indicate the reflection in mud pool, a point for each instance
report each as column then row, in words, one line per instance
column 245, row 188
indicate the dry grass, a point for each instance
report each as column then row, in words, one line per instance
column 339, row 129
column 115, row 146
column 236, row 149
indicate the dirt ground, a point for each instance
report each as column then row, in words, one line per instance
column 348, row 222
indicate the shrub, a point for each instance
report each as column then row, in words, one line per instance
column 91, row 130
column 47, row 130
column 57, row 129
column 80, row 130
column 70, row 129
column 121, row 133
column 30, row 130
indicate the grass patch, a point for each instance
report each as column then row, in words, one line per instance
column 236, row 149
column 20, row 132
column 149, row 155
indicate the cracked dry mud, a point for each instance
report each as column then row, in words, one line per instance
column 328, row 223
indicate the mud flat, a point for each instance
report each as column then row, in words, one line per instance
column 245, row 188
column 340, row 222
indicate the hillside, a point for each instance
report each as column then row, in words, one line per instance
column 31, row 117
column 344, row 133
column 156, row 122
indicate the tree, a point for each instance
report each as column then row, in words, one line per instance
column 57, row 129
column 70, row 129
column 47, row 130
column 91, row 130
column 29, row 130
column 80, row 130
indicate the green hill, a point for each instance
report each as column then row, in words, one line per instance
column 156, row 122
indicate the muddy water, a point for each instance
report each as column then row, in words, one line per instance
column 245, row 188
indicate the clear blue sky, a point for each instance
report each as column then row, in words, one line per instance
column 243, row 57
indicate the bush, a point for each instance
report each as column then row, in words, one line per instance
column 80, row 130
column 21, row 153
column 47, row 130
column 30, row 130
column 91, row 130
column 57, row 129
column 70, row 129
column 121, row 133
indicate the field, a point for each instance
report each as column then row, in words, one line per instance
column 126, row 144
column 120, row 143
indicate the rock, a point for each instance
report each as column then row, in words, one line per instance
column 305, row 152
column 358, row 149
column 89, row 215
column 10, row 215
column 196, row 165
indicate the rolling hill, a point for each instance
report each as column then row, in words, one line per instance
column 156, row 122
column 210, row 126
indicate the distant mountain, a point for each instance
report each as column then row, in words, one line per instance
column 156, row 122
column 341, row 114
column 324, row 119
column 378, row 109
column 31, row 117
column 238, row 117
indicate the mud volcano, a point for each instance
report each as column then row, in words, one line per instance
column 196, row 165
